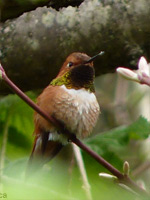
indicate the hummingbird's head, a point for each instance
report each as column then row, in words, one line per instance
column 73, row 61
column 76, row 72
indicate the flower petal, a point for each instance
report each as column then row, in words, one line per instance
column 128, row 74
column 143, row 66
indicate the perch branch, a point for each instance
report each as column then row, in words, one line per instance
column 121, row 177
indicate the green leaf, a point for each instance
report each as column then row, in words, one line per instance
column 20, row 125
column 112, row 143
column 122, row 135
column 139, row 129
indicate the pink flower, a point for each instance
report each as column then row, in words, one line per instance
column 141, row 75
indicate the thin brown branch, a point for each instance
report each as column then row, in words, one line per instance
column 121, row 177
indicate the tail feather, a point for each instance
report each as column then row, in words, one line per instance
column 43, row 151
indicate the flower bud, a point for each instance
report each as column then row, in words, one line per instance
column 107, row 176
column 126, row 168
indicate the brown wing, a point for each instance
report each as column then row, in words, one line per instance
column 43, row 149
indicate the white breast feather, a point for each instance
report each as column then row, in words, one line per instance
column 83, row 113
column 85, row 103
column 82, row 98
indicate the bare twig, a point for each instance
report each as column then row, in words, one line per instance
column 140, row 169
column 121, row 114
column 82, row 169
column 121, row 177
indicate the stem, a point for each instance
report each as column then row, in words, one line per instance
column 121, row 114
column 82, row 169
column 140, row 169
column 122, row 178
column 144, row 79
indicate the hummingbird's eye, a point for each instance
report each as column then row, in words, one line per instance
column 70, row 64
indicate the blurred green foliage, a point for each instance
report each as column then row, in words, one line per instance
column 20, row 125
column 55, row 181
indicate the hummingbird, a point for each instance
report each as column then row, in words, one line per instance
column 69, row 98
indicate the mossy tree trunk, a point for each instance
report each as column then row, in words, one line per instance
column 34, row 45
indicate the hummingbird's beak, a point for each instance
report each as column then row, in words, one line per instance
column 93, row 58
